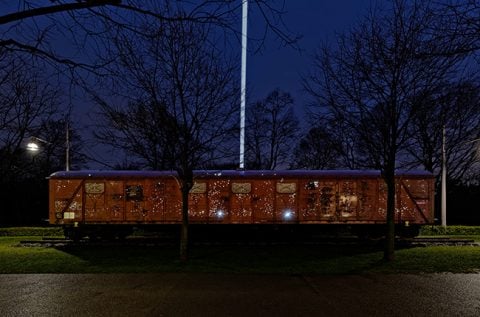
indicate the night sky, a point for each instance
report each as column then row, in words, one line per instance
column 281, row 67
column 277, row 65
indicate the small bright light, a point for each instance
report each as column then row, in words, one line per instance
column 220, row 214
column 288, row 215
column 32, row 147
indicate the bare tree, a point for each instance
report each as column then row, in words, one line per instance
column 317, row 150
column 370, row 80
column 53, row 153
column 272, row 128
column 455, row 107
column 171, row 101
column 456, row 28
column 26, row 99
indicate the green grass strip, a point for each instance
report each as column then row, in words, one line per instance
column 269, row 259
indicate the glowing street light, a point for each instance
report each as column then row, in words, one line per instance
column 33, row 146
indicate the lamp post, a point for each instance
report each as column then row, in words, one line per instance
column 444, row 176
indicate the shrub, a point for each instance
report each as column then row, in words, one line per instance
column 450, row 230
column 31, row 231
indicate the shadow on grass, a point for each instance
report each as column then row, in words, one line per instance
column 234, row 258
column 283, row 259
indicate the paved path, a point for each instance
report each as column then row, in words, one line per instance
column 181, row 294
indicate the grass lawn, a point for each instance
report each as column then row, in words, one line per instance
column 269, row 259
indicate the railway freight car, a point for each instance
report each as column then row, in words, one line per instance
column 88, row 202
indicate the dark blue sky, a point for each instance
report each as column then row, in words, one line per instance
column 281, row 67
column 276, row 66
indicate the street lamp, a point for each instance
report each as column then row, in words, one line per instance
column 444, row 177
column 33, row 146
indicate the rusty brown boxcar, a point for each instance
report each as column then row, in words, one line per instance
column 122, row 199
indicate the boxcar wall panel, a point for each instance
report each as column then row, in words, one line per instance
column 339, row 201
column 218, row 196
column 115, row 200
column 95, row 207
column 198, row 202
column 367, row 200
column 154, row 201
column 413, row 202
column 151, row 200
column 66, row 200
column 263, row 201
column 173, row 201
column 405, row 205
column 241, row 201
column 374, row 201
column 286, row 201
column 317, row 200
column 158, row 200
column 347, row 200
column 134, row 200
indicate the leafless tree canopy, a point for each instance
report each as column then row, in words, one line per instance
column 371, row 79
column 171, row 96
column 316, row 150
column 26, row 100
column 272, row 129
column 455, row 107
column 456, row 27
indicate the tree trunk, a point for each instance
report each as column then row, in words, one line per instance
column 390, row 221
column 184, row 230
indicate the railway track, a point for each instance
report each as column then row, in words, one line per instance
column 321, row 241
column 56, row 242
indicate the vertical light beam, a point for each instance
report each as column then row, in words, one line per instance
column 444, row 180
column 243, row 82
column 67, row 145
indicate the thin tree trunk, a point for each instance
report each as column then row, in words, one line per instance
column 390, row 221
column 184, row 229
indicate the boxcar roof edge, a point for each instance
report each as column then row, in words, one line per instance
column 236, row 174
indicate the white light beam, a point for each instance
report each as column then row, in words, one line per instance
column 243, row 82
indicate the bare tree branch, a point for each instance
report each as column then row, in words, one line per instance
column 17, row 16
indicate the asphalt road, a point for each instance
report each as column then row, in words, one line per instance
column 182, row 294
